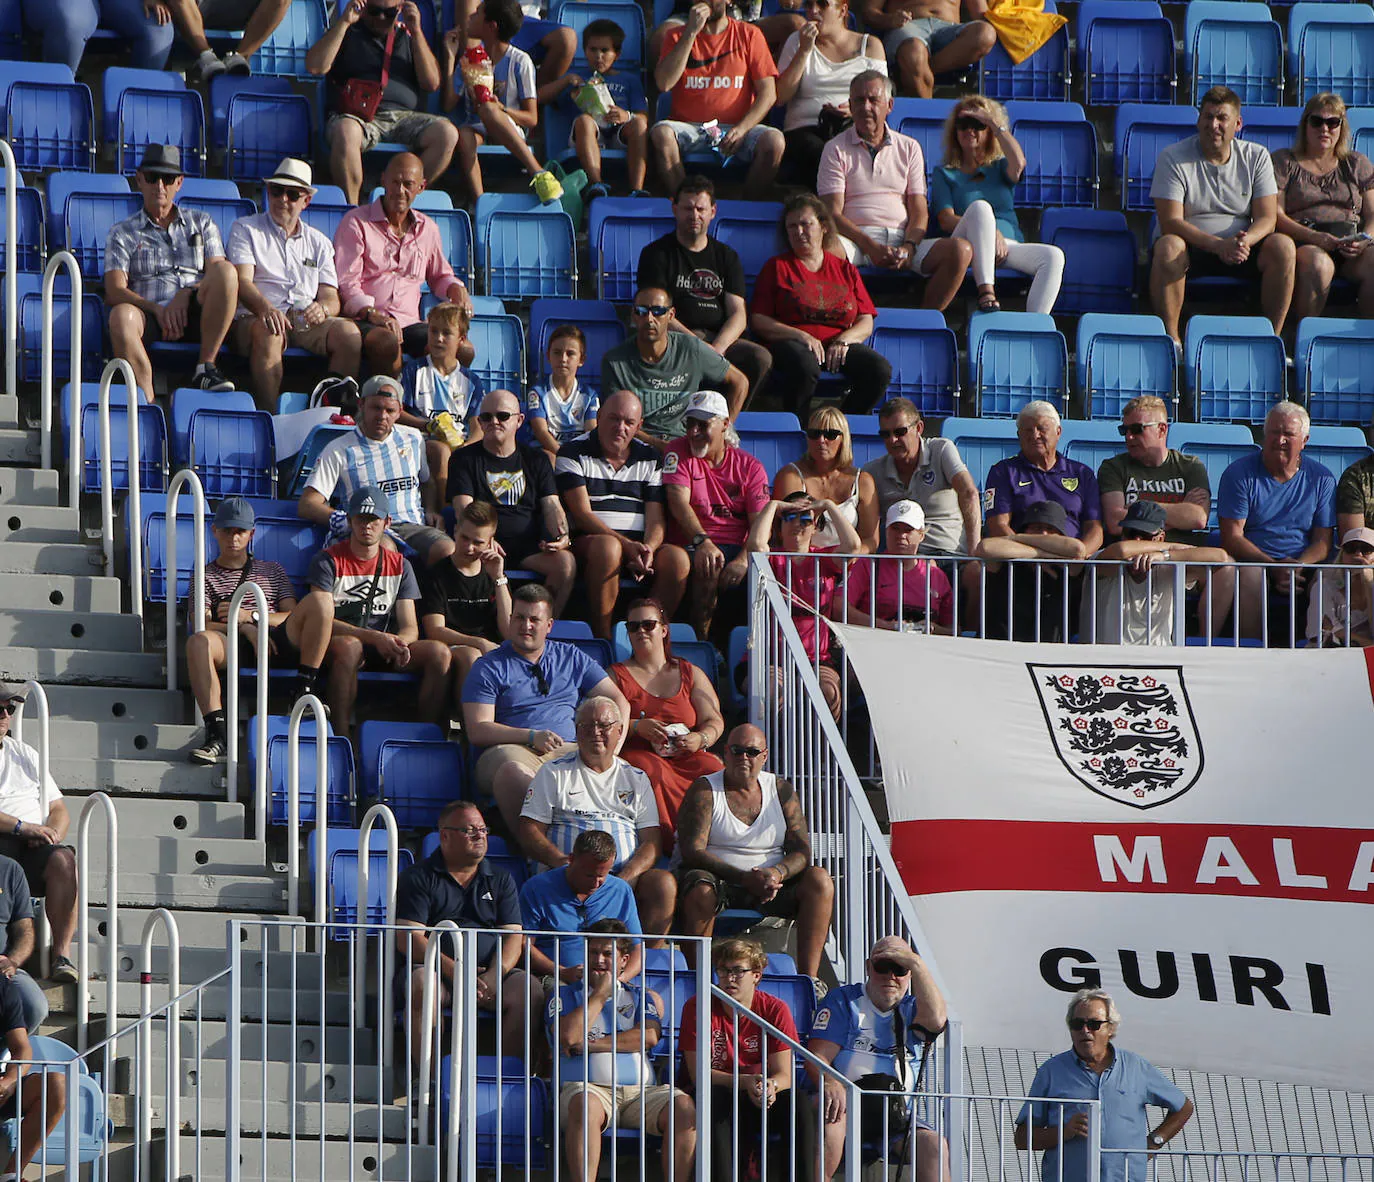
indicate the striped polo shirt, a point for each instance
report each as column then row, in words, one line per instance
column 617, row 495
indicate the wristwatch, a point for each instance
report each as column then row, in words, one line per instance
column 501, row 582
column 256, row 617
column 1156, row 1141
column 18, row 828
column 696, row 541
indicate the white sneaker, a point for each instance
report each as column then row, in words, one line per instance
column 206, row 67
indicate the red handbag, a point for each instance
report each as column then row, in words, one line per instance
column 360, row 97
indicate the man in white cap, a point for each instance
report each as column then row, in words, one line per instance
column 714, row 492
column 288, row 288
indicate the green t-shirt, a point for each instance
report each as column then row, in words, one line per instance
column 1355, row 492
column 1168, row 484
column 688, row 365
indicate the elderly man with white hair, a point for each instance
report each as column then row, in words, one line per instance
column 1277, row 506
column 1124, row 1083
column 590, row 787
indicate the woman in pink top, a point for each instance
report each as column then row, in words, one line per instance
column 907, row 595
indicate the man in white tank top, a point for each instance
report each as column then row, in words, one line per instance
column 744, row 844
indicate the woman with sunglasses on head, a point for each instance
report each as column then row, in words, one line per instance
column 971, row 198
column 810, row 581
column 812, row 310
column 666, row 694
column 814, row 71
column 1326, row 205
column 827, row 472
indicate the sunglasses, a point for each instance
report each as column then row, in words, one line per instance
column 823, row 433
column 1331, row 123
column 1093, row 1024
column 540, row 680
column 8, row 708
column 645, row 626
column 892, row 432
column 1361, row 548
column 798, row 518
column 654, row 310
column 891, row 968
column 495, row 416
column 968, row 123
column 286, row 193
column 1137, row 428
column 381, row 14
column 750, row 752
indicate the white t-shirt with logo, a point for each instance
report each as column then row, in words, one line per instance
column 570, row 798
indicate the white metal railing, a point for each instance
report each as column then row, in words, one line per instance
column 1207, row 1165
column 12, row 179
column 195, row 608
column 172, row 1154
column 293, row 809
column 231, row 717
column 102, row 801
column 118, row 368
column 62, row 259
column 378, row 812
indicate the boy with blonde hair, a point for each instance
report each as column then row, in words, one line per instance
column 441, row 397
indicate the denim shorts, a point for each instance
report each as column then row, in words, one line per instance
column 692, row 138
column 937, row 34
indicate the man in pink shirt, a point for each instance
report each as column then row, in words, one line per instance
column 873, row 180
column 714, row 492
column 383, row 251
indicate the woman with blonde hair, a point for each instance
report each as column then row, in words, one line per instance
column 971, row 198
column 1326, row 205
column 827, row 473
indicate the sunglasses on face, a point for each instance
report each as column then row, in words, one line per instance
column 1330, row 122
column 750, row 752
column 968, row 123
column 1360, row 548
column 892, row 432
column 654, row 310
column 1136, row 428
column 1093, row 1024
column 823, row 433
column 8, row 708
column 495, row 416
column 382, row 14
column 891, row 968
column 286, row 193
column 798, row 518
column 645, row 626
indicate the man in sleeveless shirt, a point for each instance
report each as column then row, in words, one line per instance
column 744, row 843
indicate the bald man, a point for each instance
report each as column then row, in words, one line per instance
column 612, row 487
column 531, row 529
column 384, row 251
column 775, row 876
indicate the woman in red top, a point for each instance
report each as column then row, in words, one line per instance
column 664, row 690
column 812, row 310
column 739, row 1066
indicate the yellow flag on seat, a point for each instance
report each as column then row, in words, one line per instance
column 1023, row 26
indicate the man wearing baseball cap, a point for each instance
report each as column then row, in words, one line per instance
column 367, row 593
column 288, row 288
column 714, row 492
column 1339, row 613
column 909, row 595
column 166, row 277
column 1036, row 594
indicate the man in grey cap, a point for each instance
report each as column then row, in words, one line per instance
column 32, row 836
column 288, row 289
column 382, row 452
column 367, row 592
column 166, row 277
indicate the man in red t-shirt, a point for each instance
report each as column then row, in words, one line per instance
column 761, row 1079
column 724, row 83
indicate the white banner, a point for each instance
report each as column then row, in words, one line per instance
column 1190, row 828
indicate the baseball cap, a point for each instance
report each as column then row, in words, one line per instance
column 161, row 160
column 9, row 690
column 894, row 948
column 234, row 513
column 369, row 501
column 1049, row 513
column 707, row 404
column 906, row 513
column 382, row 384
column 1358, row 534
column 1145, row 517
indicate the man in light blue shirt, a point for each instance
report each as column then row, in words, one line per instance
column 1123, row 1082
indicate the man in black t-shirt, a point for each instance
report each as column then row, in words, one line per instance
column 531, row 529
column 38, row 1099
column 705, row 281
column 353, row 49
column 465, row 602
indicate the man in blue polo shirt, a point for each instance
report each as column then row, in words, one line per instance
column 570, row 899
column 1124, row 1083
column 457, row 883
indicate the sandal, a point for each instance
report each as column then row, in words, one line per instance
column 987, row 302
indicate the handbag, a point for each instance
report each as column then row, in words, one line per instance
column 831, row 121
column 360, row 97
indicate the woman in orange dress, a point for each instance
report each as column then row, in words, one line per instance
column 664, row 690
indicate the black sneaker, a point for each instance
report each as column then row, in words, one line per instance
column 302, row 689
column 592, row 192
column 211, row 378
column 63, row 971
column 211, row 751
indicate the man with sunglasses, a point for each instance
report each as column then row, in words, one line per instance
column 744, row 843
column 664, row 369
column 876, row 1033
column 288, row 288
column 1150, row 470
column 1124, row 1083
column 166, row 277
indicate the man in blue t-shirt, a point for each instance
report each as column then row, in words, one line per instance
column 519, row 701
column 1121, row 1081
column 1276, row 507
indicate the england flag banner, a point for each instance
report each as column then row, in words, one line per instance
column 1191, row 829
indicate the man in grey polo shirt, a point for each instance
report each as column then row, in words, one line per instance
column 929, row 472
column 1217, row 203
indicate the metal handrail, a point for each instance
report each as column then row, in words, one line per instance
column 172, row 1156
column 62, row 259
column 393, row 854
column 11, row 270
column 196, row 612
column 118, row 367
column 31, row 687
column 293, row 807
column 231, row 719
column 430, row 976
column 83, row 925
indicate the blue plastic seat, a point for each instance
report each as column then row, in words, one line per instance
column 1274, row 127
column 1236, row 44
column 1122, row 357
column 62, row 185
column 1141, row 130
column 1234, row 366
column 674, row 987
column 86, row 1109
column 262, row 129
column 1337, row 447
column 774, row 438
column 500, row 345
column 702, row 654
column 1335, row 361
column 158, row 115
column 290, row 542
column 1361, row 122
column 1091, row 443
column 49, row 117
column 618, row 228
column 1126, row 52
column 223, row 211
column 372, row 734
column 11, row 31
column 416, row 778
column 981, row 443
column 753, row 230
column 796, row 991
column 1043, row 75
column 152, row 445
column 325, row 216
column 924, row 356
column 514, row 1113
column 186, row 400
column 31, row 331
column 154, row 537
column 1061, row 153
column 338, row 754
column 455, row 232
column 570, row 630
column 1331, row 48
column 864, row 440
column 1217, row 445
column 341, row 876
column 526, row 252
column 284, row 51
column 234, row 452
column 596, row 318
column 319, row 438
column 29, row 250
column 924, row 121
column 89, row 217
column 1014, row 358
column 578, row 14
column 1099, row 258
column 224, row 88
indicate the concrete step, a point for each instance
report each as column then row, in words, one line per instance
column 210, row 1075
column 81, row 666
column 9, row 414
column 199, row 892
column 198, row 929
column 102, row 704
column 187, row 820
column 140, row 777
column 49, row 558
column 214, row 1003
column 28, row 486
column 126, row 740
column 84, row 591
column 336, row 1120
column 19, row 446
column 48, row 628
column 204, row 856
column 357, row 1162
column 39, row 523
column 341, row 1043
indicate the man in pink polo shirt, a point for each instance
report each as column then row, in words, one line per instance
column 873, row 180
column 383, row 251
column 714, row 492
